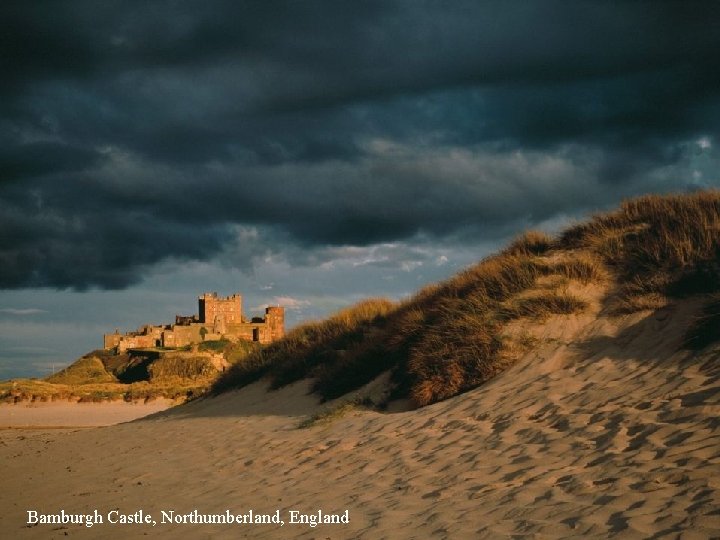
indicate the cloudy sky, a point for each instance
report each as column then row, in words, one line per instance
column 315, row 153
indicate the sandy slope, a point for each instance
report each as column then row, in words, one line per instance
column 601, row 431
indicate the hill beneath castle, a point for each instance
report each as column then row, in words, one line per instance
column 103, row 375
column 566, row 387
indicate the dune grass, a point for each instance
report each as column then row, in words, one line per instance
column 530, row 243
column 447, row 339
column 631, row 301
column 444, row 340
column 584, row 267
column 450, row 337
column 542, row 305
column 304, row 349
column 661, row 246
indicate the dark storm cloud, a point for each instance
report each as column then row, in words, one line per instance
column 20, row 161
column 66, row 233
column 136, row 132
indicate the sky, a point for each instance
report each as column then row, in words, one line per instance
column 312, row 154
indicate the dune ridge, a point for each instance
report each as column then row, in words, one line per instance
column 453, row 336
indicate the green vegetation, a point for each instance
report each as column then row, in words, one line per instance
column 217, row 346
column 233, row 352
column 181, row 366
column 453, row 336
column 103, row 376
column 39, row 390
column 88, row 369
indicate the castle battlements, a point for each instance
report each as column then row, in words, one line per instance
column 217, row 318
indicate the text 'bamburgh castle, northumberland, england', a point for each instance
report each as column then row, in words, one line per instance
column 217, row 318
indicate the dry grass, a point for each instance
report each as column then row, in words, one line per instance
column 628, row 303
column 542, row 305
column 461, row 344
column 300, row 353
column 444, row 334
column 583, row 267
column 660, row 245
column 445, row 340
column 455, row 355
column 530, row 243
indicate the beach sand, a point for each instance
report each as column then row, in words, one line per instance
column 603, row 430
column 58, row 414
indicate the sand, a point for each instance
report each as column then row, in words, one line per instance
column 61, row 414
column 603, row 430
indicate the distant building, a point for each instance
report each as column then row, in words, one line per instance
column 217, row 318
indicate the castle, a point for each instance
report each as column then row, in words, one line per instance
column 217, row 318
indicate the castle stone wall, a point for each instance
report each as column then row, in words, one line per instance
column 182, row 335
column 275, row 319
column 218, row 318
column 111, row 340
column 136, row 342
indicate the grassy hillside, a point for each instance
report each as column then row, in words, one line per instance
column 455, row 335
column 103, row 375
column 86, row 370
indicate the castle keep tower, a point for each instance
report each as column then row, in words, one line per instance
column 216, row 311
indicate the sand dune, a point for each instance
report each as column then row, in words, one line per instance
column 602, row 430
